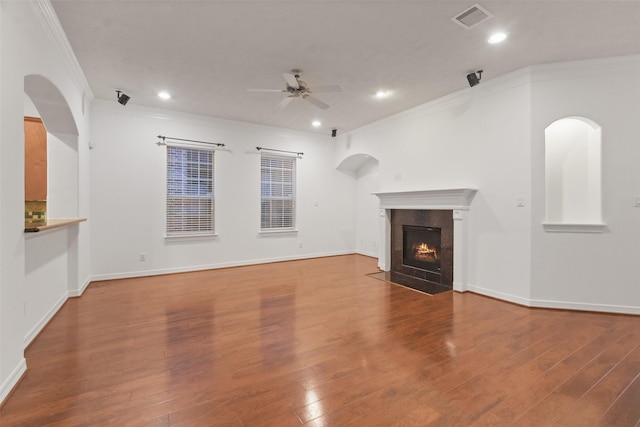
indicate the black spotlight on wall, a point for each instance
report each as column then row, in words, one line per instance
column 123, row 98
column 334, row 133
column 474, row 78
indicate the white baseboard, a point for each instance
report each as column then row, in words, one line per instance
column 12, row 379
column 367, row 253
column 44, row 320
column 564, row 305
column 143, row 273
column 460, row 287
column 584, row 306
column 79, row 292
column 499, row 295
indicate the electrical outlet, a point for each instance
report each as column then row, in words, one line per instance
column 636, row 201
column 300, row 245
column 143, row 256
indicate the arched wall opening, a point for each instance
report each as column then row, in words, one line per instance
column 573, row 172
column 51, row 257
column 45, row 99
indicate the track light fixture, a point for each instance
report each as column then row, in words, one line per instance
column 123, row 98
column 474, row 78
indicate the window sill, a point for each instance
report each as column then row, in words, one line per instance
column 272, row 232
column 561, row 227
column 53, row 224
column 190, row 237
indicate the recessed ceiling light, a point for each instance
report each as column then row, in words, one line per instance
column 164, row 95
column 316, row 123
column 497, row 38
column 381, row 94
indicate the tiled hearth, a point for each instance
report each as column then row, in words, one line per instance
column 445, row 209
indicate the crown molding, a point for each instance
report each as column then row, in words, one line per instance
column 51, row 25
column 212, row 122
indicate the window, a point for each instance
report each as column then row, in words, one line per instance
column 278, row 191
column 190, row 191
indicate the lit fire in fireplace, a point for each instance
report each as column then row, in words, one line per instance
column 424, row 252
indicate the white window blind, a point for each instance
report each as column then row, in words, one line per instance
column 278, row 192
column 190, row 191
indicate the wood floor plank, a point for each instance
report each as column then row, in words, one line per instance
column 320, row 343
column 605, row 392
column 625, row 411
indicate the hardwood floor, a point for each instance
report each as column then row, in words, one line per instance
column 319, row 343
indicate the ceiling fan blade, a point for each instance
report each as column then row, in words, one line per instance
column 291, row 80
column 266, row 90
column 330, row 88
column 285, row 101
column 316, row 102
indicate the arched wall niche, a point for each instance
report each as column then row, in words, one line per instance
column 62, row 145
column 573, row 175
column 354, row 162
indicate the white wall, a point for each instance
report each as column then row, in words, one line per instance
column 46, row 275
column 368, row 219
column 476, row 138
column 29, row 46
column 128, row 195
column 590, row 271
column 62, row 180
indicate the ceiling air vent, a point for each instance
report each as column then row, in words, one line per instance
column 472, row 16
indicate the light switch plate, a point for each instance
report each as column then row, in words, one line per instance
column 636, row 201
column 520, row 202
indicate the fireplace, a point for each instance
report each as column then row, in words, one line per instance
column 421, row 247
column 447, row 209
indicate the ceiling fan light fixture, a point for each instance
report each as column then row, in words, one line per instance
column 297, row 88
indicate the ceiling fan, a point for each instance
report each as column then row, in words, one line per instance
column 297, row 88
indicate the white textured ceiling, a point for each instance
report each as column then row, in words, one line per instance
column 207, row 53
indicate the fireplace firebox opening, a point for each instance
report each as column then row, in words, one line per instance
column 421, row 247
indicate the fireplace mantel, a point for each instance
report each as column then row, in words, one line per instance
column 457, row 200
column 451, row 199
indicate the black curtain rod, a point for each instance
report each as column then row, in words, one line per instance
column 279, row 151
column 164, row 138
